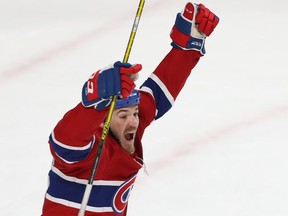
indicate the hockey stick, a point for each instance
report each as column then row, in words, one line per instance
column 106, row 127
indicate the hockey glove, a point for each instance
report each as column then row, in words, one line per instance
column 192, row 26
column 117, row 79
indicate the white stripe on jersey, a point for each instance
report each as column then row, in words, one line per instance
column 85, row 181
column 71, row 147
column 77, row 205
column 163, row 87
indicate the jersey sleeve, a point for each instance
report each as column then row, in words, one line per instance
column 73, row 137
column 166, row 82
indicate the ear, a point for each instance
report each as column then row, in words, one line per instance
column 102, row 124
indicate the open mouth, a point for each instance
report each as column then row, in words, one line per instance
column 129, row 136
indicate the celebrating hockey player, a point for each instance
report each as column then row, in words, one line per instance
column 74, row 140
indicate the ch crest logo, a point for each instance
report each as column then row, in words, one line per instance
column 122, row 194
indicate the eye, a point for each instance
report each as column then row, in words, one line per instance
column 136, row 114
column 123, row 116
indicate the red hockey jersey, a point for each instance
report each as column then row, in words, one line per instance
column 75, row 139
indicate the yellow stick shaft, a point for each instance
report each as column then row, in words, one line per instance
column 125, row 59
column 106, row 127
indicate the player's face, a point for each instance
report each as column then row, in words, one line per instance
column 124, row 124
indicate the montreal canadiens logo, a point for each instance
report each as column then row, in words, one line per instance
column 122, row 194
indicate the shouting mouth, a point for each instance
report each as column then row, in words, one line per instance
column 129, row 136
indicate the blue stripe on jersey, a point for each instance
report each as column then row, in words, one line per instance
column 163, row 104
column 68, row 153
column 101, row 195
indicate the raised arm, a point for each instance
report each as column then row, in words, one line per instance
column 192, row 26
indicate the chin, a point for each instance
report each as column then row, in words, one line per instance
column 126, row 143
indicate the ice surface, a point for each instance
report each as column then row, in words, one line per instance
column 223, row 148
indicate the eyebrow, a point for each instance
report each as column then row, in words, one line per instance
column 126, row 110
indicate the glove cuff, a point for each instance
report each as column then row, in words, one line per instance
column 98, row 103
column 185, row 35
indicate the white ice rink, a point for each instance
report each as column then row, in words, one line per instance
column 221, row 151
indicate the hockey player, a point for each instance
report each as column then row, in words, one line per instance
column 74, row 140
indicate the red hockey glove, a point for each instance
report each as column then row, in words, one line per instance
column 192, row 26
column 206, row 21
column 117, row 79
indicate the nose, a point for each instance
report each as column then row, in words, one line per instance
column 133, row 121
